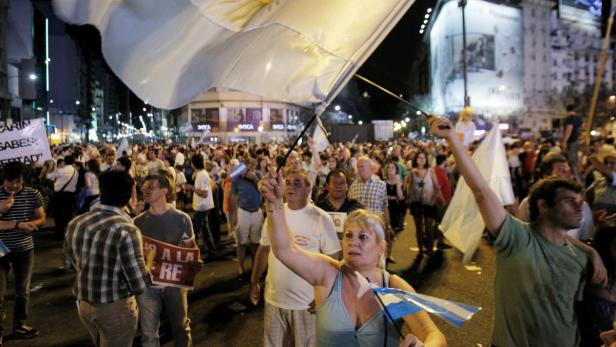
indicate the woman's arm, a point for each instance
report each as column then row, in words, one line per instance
column 399, row 192
column 420, row 323
column 313, row 267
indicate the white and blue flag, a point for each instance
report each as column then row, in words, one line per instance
column 238, row 170
column 399, row 303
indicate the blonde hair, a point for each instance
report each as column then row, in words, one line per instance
column 299, row 172
column 466, row 114
column 370, row 221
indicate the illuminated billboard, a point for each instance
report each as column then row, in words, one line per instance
column 205, row 119
column 494, row 42
column 277, row 119
column 240, row 119
column 581, row 12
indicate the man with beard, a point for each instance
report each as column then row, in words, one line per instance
column 539, row 273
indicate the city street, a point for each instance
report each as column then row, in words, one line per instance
column 221, row 314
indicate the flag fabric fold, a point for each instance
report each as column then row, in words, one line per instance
column 320, row 137
column 238, row 170
column 462, row 223
column 168, row 52
column 123, row 147
column 399, row 303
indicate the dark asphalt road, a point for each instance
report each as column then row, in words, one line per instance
column 213, row 306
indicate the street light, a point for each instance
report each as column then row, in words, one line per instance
column 337, row 107
column 77, row 102
column 360, row 122
column 32, row 77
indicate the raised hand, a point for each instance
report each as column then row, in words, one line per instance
column 272, row 187
column 440, row 127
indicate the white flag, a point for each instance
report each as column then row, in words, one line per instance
column 301, row 51
column 462, row 223
column 123, row 147
column 320, row 137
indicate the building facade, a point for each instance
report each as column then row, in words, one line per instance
column 527, row 81
column 231, row 116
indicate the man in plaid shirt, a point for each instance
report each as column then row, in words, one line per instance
column 369, row 189
column 105, row 247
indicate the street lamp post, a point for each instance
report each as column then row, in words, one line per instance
column 467, row 99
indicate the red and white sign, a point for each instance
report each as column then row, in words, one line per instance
column 171, row 264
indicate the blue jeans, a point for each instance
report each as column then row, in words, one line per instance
column 176, row 305
column 22, row 263
column 202, row 229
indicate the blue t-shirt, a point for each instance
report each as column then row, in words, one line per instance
column 247, row 193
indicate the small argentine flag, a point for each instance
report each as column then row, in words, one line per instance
column 399, row 303
column 238, row 170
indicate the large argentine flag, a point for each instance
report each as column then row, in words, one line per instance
column 170, row 51
column 399, row 303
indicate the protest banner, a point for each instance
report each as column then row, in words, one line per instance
column 24, row 141
column 171, row 263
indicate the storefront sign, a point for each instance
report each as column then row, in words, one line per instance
column 277, row 119
column 205, row 119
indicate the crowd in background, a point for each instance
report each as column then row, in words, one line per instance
column 387, row 178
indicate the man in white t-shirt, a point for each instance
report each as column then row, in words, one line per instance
column 201, row 204
column 288, row 296
column 179, row 157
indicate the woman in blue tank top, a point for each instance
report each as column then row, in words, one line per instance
column 343, row 318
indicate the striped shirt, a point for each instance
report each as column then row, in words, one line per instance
column 372, row 193
column 105, row 247
column 24, row 208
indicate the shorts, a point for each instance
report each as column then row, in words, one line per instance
column 283, row 328
column 249, row 225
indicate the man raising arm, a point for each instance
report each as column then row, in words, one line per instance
column 539, row 274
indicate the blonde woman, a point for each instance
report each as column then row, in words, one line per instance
column 343, row 319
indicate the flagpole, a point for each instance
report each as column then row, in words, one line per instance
column 388, row 314
column 386, row 91
column 283, row 162
column 597, row 87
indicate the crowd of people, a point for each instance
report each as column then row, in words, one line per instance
column 312, row 227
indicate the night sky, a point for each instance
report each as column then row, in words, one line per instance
column 389, row 65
